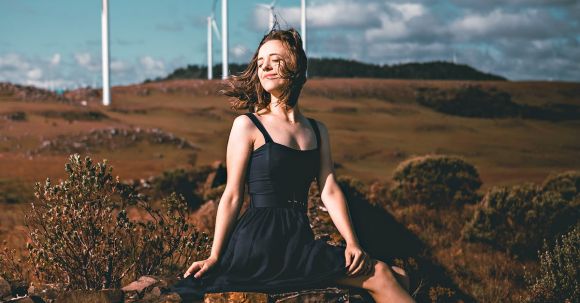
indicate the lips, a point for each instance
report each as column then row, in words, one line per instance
column 270, row 76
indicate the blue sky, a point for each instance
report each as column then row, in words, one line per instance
column 57, row 42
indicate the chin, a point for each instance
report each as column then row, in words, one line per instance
column 272, row 88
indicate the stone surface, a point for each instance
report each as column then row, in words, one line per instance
column 92, row 296
column 326, row 295
column 48, row 292
column 236, row 297
column 21, row 300
column 5, row 289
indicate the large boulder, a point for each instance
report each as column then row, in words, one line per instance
column 5, row 290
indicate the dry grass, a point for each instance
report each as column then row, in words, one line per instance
column 374, row 125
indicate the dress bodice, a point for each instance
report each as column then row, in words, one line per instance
column 278, row 175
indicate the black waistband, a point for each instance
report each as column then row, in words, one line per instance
column 272, row 200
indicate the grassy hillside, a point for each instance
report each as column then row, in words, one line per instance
column 374, row 125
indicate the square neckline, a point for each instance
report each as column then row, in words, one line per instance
column 276, row 143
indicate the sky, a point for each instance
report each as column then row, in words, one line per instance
column 57, row 43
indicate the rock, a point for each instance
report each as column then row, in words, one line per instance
column 170, row 298
column 22, row 300
column 149, row 286
column 330, row 295
column 92, row 296
column 5, row 289
column 48, row 292
column 239, row 297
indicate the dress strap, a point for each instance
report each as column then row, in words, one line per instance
column 260, row 126
column 316, row 131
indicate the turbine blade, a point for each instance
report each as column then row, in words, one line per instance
column 213, row 5
column 273, row 3
column 266, row 6
column 215, row 28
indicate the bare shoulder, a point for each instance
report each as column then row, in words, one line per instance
column 242, row 127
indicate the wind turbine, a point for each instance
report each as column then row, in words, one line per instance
column 270, row 8
column 211, row 25
column 105, row 52
column 224, row 39
column 303, row 25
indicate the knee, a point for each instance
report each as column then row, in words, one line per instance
column 391, row 275
column 402, row 277
column 384, row 272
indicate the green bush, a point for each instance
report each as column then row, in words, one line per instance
column 352, row 188
column 188, row 183
column 517, row 219
column 435, row 180
column 558, row 279
column 82, row 235
column 566, row 183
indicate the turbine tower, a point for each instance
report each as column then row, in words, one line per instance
column 270, row 8
column 105, row 52
column 303, row 27
column 303, row 23
column 211, row 25
column 224, row 39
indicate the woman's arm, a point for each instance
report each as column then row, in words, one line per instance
column 239, row 149
column 330, row 193
column 357, row 260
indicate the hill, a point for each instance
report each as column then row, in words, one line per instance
column 341, row 68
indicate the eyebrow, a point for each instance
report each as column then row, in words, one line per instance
column 272, row 54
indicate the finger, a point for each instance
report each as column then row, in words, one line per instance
column 355, row 263
column 362, row 265
column 347, row 257
column 201, row 271
column 193, row 268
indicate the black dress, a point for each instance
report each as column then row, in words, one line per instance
column 272, row 246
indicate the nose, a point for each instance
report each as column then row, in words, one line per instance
column 266, row 65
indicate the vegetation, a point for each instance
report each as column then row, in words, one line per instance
column 435, row 180
column 477, row 102
column 82, row 234
column 341, row 68
column 517, row 219
column 559, row 276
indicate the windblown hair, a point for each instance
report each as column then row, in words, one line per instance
column 245, row 89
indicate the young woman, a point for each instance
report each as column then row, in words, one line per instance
column 279, row 151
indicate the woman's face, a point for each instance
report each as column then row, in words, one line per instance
column 270, row 57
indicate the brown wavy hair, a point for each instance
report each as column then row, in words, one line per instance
column 246, row 91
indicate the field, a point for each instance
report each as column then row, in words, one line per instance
column 373, row 124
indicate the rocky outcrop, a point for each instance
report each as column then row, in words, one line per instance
column 327, row 295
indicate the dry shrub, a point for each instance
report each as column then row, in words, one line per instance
column 435, row 180
column 566, row 183
column 12, row 267
column 81, row 235
column 559, row 276
column 188, row 183
column 441, row 294
column 352, row 188
column 517, row 219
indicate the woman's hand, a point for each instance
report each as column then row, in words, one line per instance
column 198, row 268
column 357, row 260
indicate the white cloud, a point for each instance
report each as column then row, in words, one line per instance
column 151, row 64
column 34, row 74
column 83, row 59
column 324, row 15
column 119, row 66
column 55, row 59
column 529, row 23
column 409, row 10
column 240, row 52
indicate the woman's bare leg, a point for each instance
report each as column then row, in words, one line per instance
column 383, row 283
